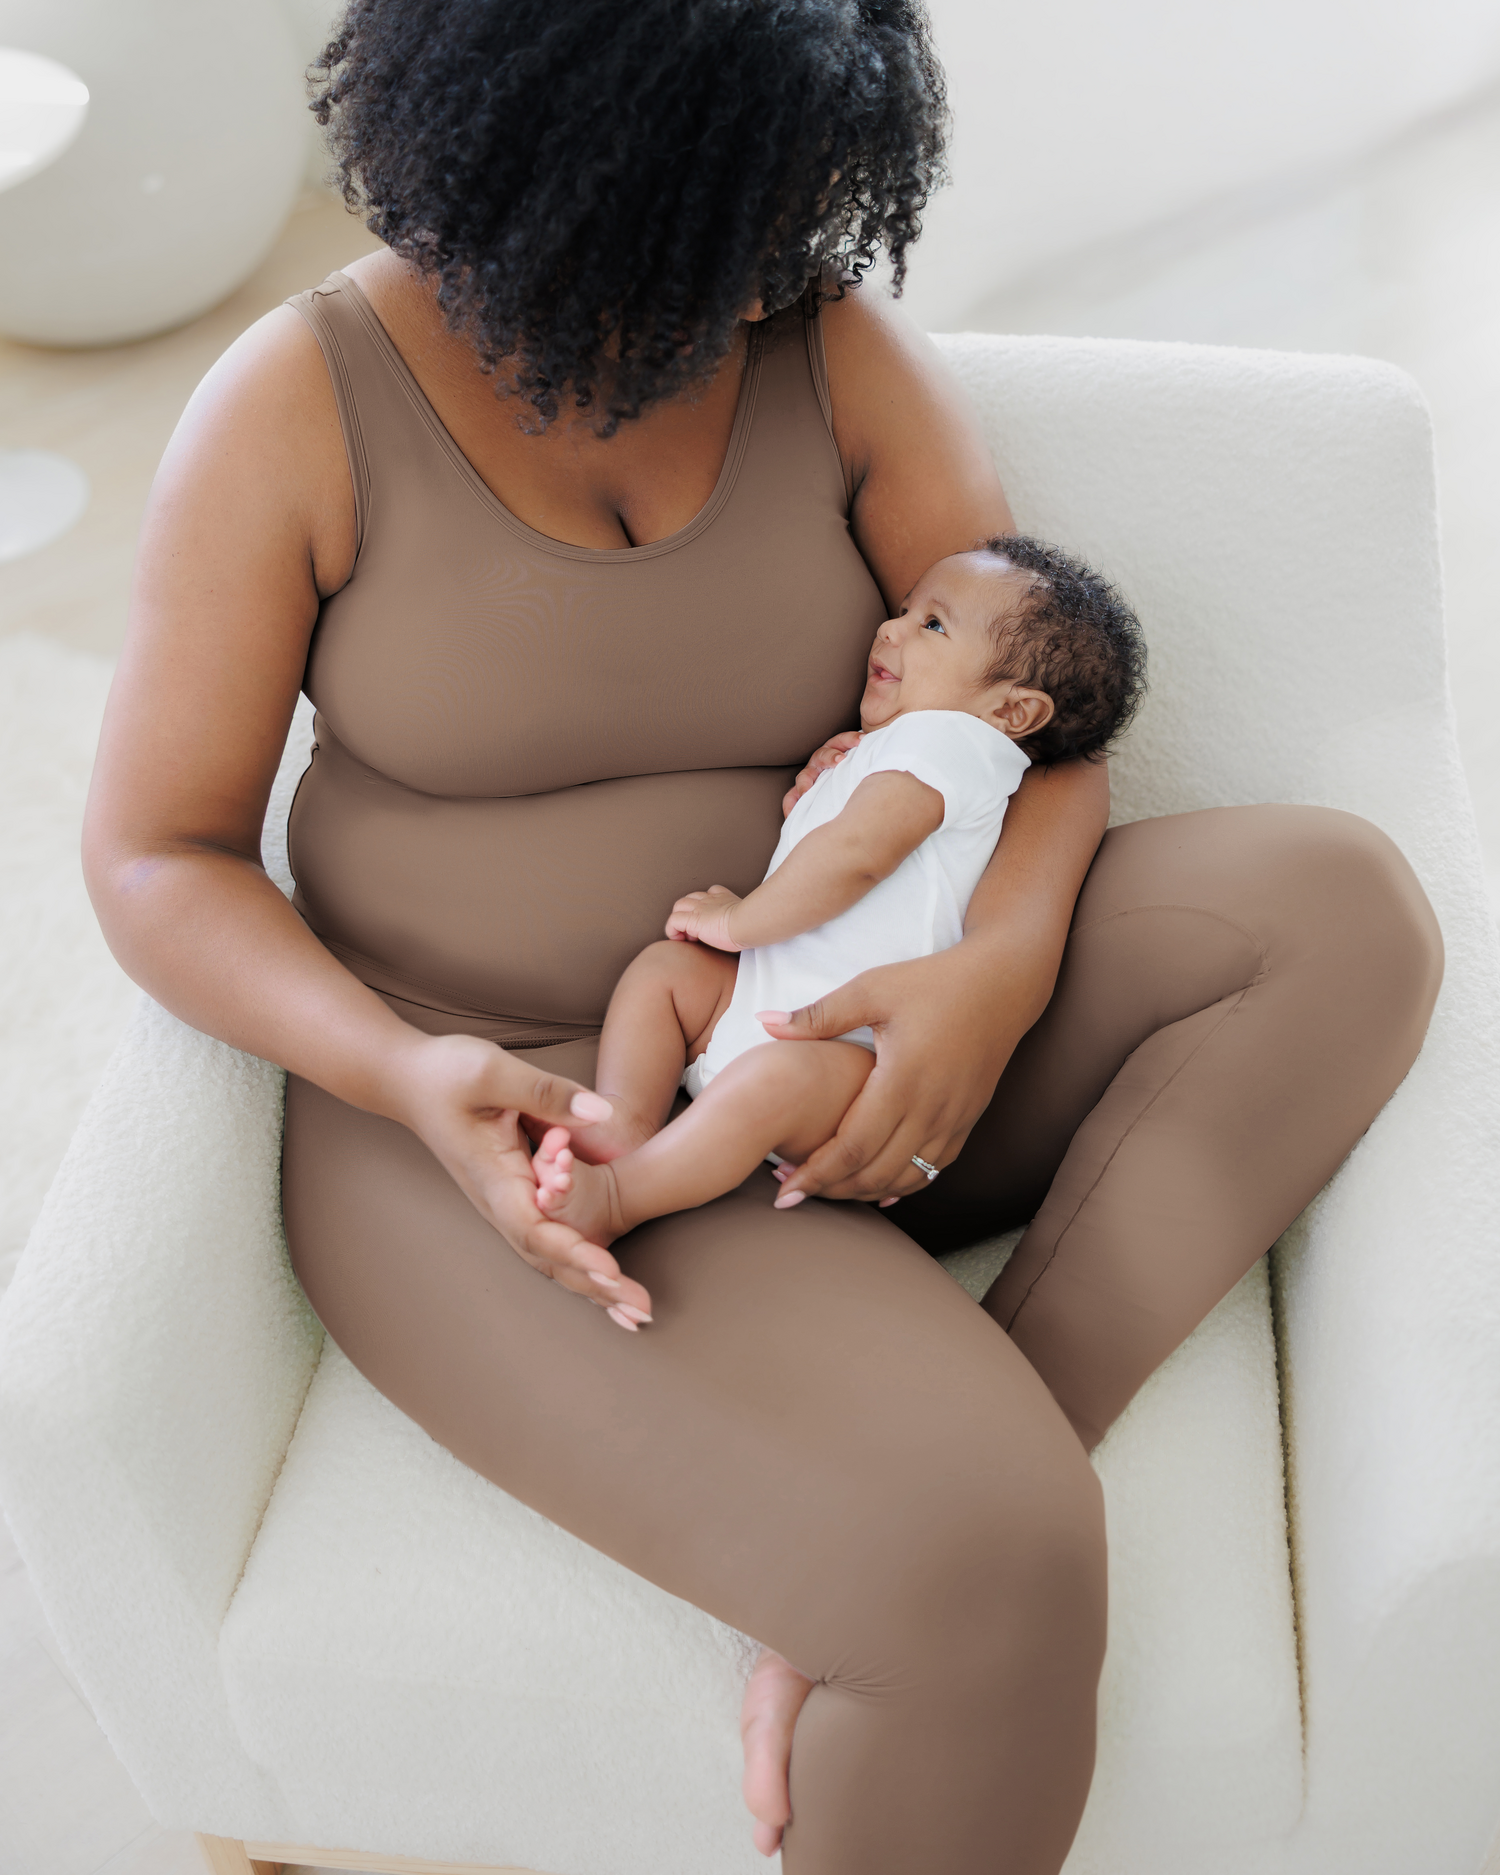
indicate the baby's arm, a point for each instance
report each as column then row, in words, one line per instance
column 888, row 816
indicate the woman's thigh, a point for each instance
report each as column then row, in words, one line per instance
column 820, row 1439
column 1242, row 991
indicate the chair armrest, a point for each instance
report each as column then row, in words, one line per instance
column 155, row 1350
column 1388, row 1318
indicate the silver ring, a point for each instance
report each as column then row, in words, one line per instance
column 930, row 1170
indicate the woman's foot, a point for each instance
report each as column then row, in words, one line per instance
column 585, row 1197
column 773, row 1698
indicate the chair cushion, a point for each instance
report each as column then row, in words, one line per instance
column 429, row 1668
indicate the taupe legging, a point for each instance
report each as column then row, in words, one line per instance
column 822, row 1440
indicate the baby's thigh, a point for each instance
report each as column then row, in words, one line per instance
column 694, row 979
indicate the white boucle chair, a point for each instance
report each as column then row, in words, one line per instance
column 313, row 1635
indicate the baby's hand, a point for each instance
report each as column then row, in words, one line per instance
column 829, row 756
column 705, row 916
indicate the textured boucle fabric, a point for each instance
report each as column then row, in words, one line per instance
column 298, row 1617
column 66, row 1001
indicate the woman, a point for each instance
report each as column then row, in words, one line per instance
column 465, row 493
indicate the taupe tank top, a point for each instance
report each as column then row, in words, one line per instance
column 526, row 750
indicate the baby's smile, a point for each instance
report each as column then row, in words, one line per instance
column 880, row 674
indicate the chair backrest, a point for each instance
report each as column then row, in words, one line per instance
column 1272, row 518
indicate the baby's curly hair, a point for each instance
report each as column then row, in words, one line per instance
column 1073, row 637
column 601, row 189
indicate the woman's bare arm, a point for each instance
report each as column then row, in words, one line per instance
column 250, row 523
column 240, row 539
column 926, row 486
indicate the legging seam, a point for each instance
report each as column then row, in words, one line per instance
column 1256, row 943
column 1239, row 997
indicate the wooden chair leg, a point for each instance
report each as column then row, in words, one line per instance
column 225, row 1856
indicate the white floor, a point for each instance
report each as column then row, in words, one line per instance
column 1398, row 256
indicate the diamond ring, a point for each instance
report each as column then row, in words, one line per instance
column 922, row 1165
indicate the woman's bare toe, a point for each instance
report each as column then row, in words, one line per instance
column 767, row 1837
column 773, row 1698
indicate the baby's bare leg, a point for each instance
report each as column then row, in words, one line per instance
column 663, row 1011
column 784, row 1097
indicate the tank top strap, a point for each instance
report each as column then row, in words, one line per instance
column 356, row 372
column 791, row 459
column 817, row 358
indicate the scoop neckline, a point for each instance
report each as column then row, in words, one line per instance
column 567, row 549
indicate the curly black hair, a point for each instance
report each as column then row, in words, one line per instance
column 1073, row 637
column 602, row 186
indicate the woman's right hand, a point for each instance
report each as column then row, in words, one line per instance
column 833, row 750
column 464, row 1097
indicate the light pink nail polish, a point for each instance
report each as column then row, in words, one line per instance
column 787, row 1200
column 623, row 1320
column 605, row 1282
column 635, row 1314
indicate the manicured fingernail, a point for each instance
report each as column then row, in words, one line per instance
column 885, row 1201
column 787, row 1200
column 773, row 1015
column 781, row 1173
column 635, row 1314
column 591, row 1107
column 623, row 1320
column 605, row 1282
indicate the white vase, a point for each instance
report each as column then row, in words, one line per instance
column 42, row 108
column 194, row 147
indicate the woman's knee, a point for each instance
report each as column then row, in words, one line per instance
column 1343, row 908
column 1370, row 887
column 979, row 1589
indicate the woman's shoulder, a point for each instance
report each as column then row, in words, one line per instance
column 875, row 350
column 272, row 376
column 264, row 417
column 923, row 479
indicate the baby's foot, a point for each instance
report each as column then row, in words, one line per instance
column 773, row 1698
column 584, row 1196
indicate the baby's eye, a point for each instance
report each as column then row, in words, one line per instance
column 935, row 625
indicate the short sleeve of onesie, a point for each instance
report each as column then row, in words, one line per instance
column 970, row 764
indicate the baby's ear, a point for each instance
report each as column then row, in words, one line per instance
column 1021, row 712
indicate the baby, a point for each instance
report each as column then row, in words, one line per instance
column 1008, row 654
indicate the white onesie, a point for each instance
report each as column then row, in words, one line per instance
column 917, row 910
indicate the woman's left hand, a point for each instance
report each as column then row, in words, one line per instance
column 945, row 1027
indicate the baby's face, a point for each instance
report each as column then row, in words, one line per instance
column 934, row 654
